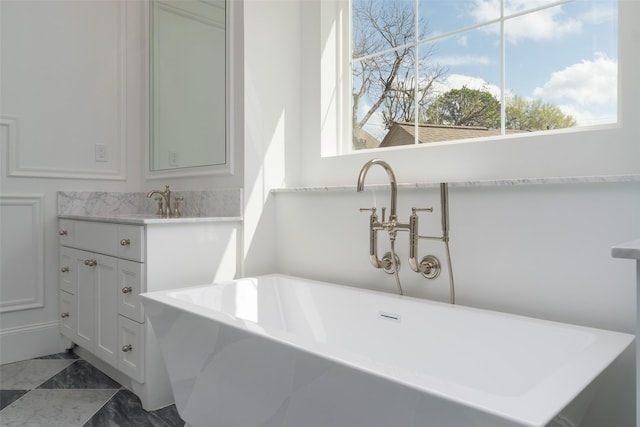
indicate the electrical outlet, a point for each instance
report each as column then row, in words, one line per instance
column 173, row 158
column 101, row 152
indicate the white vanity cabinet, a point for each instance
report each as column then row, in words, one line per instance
column 104, row 266
column 95, row 283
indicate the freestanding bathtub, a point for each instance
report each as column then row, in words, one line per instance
column 280, row 351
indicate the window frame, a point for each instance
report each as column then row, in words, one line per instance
column 596, row 150
column 417, row 42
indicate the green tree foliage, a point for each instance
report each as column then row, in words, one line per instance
column 464, row 107
column 475, row 107
column 526, row 114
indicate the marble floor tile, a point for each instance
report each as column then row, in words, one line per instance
column 125, row 409
column 64, row 390
column 7, row 397
column 80, row 374
column 54, row 408
column 64, row 355
column 29, row 374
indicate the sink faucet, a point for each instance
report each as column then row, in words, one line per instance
column 166, row 195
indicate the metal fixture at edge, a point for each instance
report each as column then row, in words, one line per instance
column 429, row 266
column 166, row 195
column 392, row 225
column 388, row 265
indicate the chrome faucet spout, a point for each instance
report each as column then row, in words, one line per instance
column 392, row 180
column 166, row 195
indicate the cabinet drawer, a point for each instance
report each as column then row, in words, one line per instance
column 131, row 242
column 65, row 232
column 100, row 237
column 131, row 348
column 67, row 306
column 130, row 285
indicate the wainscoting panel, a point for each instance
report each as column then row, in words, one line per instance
column 21, row 252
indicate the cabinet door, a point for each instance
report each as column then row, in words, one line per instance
column 66, row 232
column 68, row 271
column 131, row 242
column 106, row 309
column 132, row 348
column 85, row 266
column 130, row 285
column 67, row 315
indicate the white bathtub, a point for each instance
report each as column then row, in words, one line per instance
column 283, row 351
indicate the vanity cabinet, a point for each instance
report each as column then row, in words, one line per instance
column 104, row 266
column 98, row 290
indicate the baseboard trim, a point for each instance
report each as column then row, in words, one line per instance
column 27, row 342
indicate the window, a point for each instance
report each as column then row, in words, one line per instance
column 427, row 71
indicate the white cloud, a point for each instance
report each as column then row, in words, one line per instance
column 457, row 60
column 462, row 41
column 599, row 13
column 586, row 117
column 546, row 24
column 584, row 83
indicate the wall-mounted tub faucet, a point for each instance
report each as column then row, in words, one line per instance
column 392, row 181
column 429, row 265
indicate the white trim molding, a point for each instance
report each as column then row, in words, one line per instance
column 30, row 247
column 27, row 342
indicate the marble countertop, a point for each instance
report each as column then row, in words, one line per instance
column 484, row 183
column 142, row 219
column 628, row 250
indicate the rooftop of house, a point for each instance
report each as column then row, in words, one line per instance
column 404, row 133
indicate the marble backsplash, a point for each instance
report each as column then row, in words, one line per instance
column 226, row 202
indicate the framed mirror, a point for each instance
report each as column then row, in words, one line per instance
column 188, row 90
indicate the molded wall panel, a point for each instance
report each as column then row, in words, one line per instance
column 21, row 252
column 71, row 92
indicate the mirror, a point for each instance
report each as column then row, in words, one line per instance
column 188, row 77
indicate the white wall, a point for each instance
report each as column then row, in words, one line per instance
column 271, row 119
column 73, row 74
column 541, row 250
column 535, row 250
column 70, row 78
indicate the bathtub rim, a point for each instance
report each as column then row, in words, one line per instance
column 537, row 407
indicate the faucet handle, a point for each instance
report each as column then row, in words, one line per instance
column 414, row 210
column 373, row 212
column 176, row 210
column 160, row 208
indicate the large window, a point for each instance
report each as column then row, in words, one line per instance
column 426, row 71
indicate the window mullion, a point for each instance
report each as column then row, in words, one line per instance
column 416, row 76
column 503, row 79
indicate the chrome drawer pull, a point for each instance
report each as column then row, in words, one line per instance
column 64, row 269
column 125, row 242
column 127, row 348
column 63, row 232
column 90, row 262
column 127, row 290
column 64, row 315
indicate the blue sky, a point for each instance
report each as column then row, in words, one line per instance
column 565, row 55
